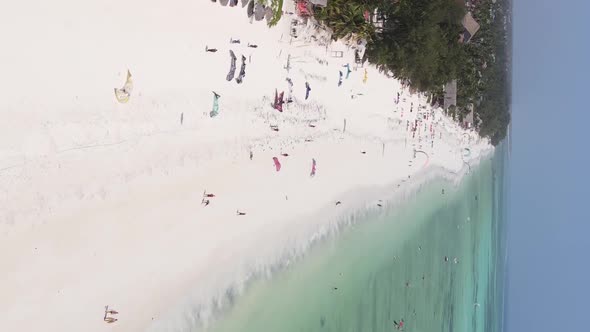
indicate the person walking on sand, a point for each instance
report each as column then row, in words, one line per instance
column 212, row 50
column 205, row 202
column 307, row 90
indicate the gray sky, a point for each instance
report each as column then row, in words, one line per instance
column 549, row 224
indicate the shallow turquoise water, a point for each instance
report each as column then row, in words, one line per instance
column 393, row 267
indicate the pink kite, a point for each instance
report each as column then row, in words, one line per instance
column 312, row 167
column 277, row 163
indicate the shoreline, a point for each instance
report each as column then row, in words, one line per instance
column 105, row 208
column 213, row 306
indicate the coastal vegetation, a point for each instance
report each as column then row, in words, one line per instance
column 277, row 12
column 418, row 42
column 346, row 18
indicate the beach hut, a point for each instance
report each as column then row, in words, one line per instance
column 471, row 27
column 468, row 120
column 450, row 94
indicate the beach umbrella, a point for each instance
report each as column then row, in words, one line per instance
column 277, row 163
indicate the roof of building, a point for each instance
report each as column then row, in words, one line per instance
column 469, row 116
column 450, row 94
column 322, row 3
column 470, row 25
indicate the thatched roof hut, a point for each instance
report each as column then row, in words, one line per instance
column 471, row 27
column 450, row 94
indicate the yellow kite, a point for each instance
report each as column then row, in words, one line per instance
column 124, row 93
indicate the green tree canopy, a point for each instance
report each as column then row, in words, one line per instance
column 420, row 43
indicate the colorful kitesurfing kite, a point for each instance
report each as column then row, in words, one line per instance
column 277, row 163
column 124, row 93
column 215, row 109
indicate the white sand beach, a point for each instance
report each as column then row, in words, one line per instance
column 101, row 202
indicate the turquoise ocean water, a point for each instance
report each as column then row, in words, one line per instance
column 393, row 267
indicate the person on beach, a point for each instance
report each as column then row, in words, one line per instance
column 240, row 213
column 208, row 195
column 234, row 41
column 348, row 70
column 205, row 202
column 307, row 90
column 252, row 45
column 212, row 50
column 181, row 118
column 251, row 154
column 107, row 312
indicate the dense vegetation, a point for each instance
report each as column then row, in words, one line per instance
column 418, row 43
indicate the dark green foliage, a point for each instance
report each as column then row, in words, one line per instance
column 419, row 44
column 345, row 18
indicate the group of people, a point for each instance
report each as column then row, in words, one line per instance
column 231, row 41
column 205, row 201
column 108, row 315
